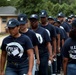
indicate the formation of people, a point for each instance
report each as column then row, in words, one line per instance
column 45, row 48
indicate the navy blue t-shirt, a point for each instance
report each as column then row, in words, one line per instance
column 16, row 48
column 62, row 36
column 50, row 29
column 65, row 26
column 69, row 50
column 32, row 36
column 43, row 38
column 66, row 36
column 57, row 30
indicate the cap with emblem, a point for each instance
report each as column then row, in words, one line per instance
column 22, row 18
column 13, row 23
column 34, row 16
column 50, row 17
column 43, row 13
column 60, row 15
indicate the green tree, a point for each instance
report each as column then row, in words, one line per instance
column 3, row 3
column 53, row 7
column 29, row 6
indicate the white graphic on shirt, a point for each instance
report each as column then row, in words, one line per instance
column 39, row 37
column 14, row 49
column 72, row 52
column 72, row 56
column 61, row 27
column 48, row 31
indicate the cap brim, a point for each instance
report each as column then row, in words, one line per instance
column 60, row 16
column 43, row 16
column 23, row 22
column 51, row 18
column 33, row 18
column 11, row 26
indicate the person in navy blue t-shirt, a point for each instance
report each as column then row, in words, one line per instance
column 62, row 38
column 49, row 28
column 18, row 49
column 64, row 24
column 44, row 44
column 22, row 18
column 69, row 52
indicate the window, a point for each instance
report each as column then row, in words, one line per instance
column 4, row 19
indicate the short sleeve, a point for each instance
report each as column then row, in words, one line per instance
column 35, row 40
column 47, row 37
column 65, row 49
column 3, row 45
column 28, row 44
column 53, row 31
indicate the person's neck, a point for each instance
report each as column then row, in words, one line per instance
column 45, row 23
column 24, row 31
column 17, row 35
column 34, row 29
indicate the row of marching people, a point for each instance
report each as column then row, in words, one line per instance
column 29, row 51
column 63, row 28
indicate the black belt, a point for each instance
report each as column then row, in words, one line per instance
column 14, row 63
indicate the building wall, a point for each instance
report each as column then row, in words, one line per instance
column 3, row 25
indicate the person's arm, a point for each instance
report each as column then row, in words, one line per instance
column 65, row 62
column 54, row 46
column 37, row 54
column 68, row 34
column 31, row 60
column 49, row 50
column 3, row 61
column 58, row 43
column 62, row 42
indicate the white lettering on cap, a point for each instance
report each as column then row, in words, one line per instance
column 59, row 14
column 21, row 18
column 10, row 22
column 42, row 13
column 33, row 15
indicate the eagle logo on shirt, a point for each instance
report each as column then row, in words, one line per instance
column 14, row 49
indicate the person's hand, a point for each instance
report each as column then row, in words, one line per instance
column 1, row 73
column 54, row 55
column 51, row 58
column 58, row 50
column 29, row 73
column 38, row 61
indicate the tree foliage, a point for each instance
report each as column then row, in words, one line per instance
column 53, row 7
column 3, row 3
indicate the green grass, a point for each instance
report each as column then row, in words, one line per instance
column 1, row 35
